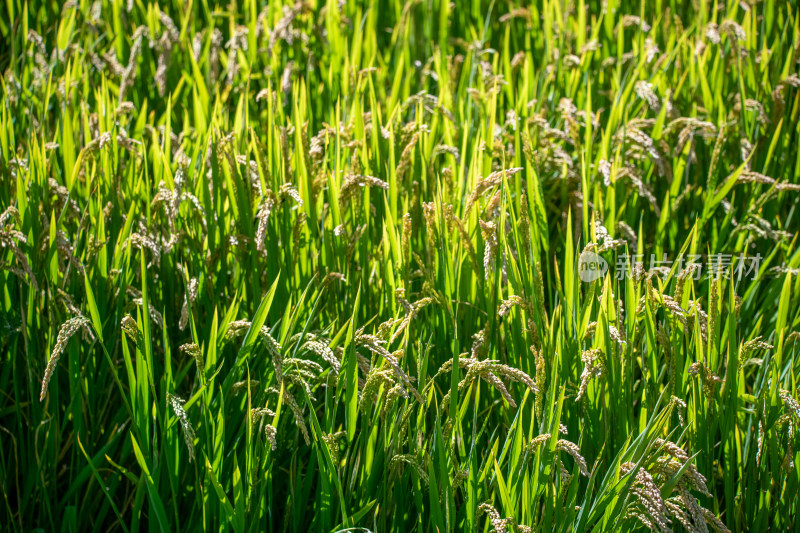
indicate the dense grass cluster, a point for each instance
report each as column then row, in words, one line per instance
column 320, row 266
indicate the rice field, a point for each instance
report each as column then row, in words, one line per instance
column 399, row 266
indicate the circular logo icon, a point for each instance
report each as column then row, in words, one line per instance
column 591, row 266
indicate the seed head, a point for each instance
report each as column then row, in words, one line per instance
column 188, row 431
column 572, row 449
column 68, row 329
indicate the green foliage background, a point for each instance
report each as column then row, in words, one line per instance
column 394, row 198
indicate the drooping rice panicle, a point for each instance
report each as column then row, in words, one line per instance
column 68, row 329
column 188, row 430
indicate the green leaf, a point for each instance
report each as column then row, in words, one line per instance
column 351, row 373
column 156, row 505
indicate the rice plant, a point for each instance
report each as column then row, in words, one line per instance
column 399, row 266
